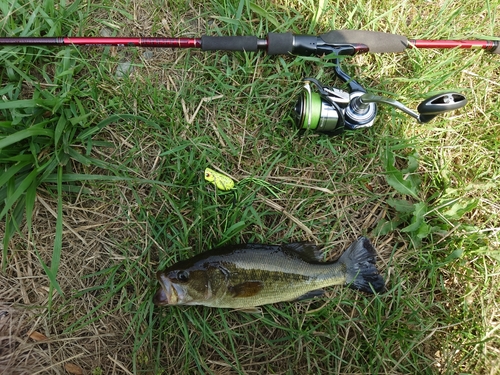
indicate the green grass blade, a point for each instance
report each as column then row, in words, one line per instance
column 20, row 190
column 57, row 250
column 13, row 224
column 27, row 103
column 30, row 205
column 11, row 172
column 114, row 118
column 33, row 131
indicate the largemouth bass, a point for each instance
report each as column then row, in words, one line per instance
column 249, row 275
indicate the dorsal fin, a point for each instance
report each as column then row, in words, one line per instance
column 306, row 251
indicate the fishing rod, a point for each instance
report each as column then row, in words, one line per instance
column 328, row 110
column 360, row 41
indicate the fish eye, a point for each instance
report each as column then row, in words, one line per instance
column 182, row 276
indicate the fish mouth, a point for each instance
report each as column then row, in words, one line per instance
column 169, row 293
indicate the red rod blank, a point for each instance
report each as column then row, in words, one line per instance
column 139, row 42
column 488, row 45
column 107, row 41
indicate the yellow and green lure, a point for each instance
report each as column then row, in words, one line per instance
column 226, row 184
column 221, row 182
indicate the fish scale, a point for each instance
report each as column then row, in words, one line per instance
column 278, row 284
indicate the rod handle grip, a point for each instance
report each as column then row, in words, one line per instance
column 279, row 43
column 229, row 43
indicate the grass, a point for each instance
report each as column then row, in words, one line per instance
column 102, row 185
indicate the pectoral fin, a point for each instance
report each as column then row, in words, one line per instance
column 246, row 289
column 311, row 294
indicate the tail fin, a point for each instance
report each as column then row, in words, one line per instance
column 362, row 274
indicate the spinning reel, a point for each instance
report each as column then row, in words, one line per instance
column 331, row 110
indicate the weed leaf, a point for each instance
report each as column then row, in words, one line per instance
column 420, row 209
column 455, row 254
column 401, row 205
column 264, row 14
column 412, row 164
column 459, row 209
column 385, row 226
column 395, row 178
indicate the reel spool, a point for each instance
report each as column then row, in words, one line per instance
column 320, row 112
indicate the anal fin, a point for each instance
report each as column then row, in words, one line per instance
column 311, row 294
column 250, row 310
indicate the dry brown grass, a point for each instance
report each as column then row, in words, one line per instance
column 93, row 227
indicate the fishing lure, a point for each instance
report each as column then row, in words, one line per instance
column 221, row 182
column 226, row 184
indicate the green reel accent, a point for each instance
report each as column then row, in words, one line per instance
column 312, row 113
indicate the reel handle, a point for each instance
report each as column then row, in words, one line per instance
column 361, row 110
column 439, row 104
